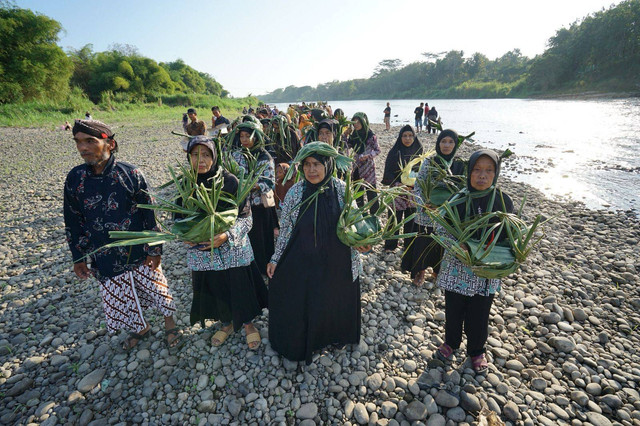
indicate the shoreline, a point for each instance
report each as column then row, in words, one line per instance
column 563, row 334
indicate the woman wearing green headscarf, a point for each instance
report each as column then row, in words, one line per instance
column 364, row 144
column 314, row 298
column 249, row 152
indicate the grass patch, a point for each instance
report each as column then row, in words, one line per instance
column 166, row 108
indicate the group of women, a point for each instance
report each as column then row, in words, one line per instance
column 314, row 289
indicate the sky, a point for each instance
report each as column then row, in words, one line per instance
column 254, row 47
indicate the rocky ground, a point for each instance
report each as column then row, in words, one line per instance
column 563, row 332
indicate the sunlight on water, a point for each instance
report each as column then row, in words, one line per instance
column 589, row 149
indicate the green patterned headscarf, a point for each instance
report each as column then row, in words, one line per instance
column 358, row 139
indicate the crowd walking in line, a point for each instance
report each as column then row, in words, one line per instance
column 282, row 251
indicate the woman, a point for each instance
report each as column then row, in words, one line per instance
column 284, row 139
column 314, row 290
column 406, row 148
column 364, row 144
column 226, row 286
column 468, row 298
column 424, row 252
column 249, row 153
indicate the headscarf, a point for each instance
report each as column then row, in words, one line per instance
column 324, row 206
column 358, row 139
column 210, row 145
column 453, row 135
column 255, row 130
column 399, row 156
column 478, row 201
column 328, row 123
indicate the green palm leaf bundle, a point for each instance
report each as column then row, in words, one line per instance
column 200, row 221
column 487, row 257
column 343, row 162
column 440, row 184
column 358, row 228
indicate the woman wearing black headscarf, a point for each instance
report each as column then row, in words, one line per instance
column 364, row 144
column 314, row 291
column 424, row 252
column 249, row 152
column 226, row 286
column 406, row 148
column 468, row 297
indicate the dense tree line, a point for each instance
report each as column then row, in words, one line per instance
column 122, row 74
column 600, row 53
column 34, row 67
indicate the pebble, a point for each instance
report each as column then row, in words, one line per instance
column 511, row 411
column 361, row 414
column 445, row 399
column 560, row 334
column 416, row 410
column 307, row 411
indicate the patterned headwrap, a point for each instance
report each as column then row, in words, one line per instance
column 94, row 128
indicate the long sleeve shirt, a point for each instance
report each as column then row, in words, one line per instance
column 267, row 180
column 96, row 204
column 289, row 217
column 367, row 167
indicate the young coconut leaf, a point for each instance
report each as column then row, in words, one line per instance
column 357, row 227
column 487, row 257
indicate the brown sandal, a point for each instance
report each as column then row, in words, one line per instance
column 254, row 338
column 420, row 278
column 221, row 336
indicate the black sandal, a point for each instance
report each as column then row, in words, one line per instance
column 127, row 343
column 176, row 344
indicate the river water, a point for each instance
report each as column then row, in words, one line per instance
column 589, row 150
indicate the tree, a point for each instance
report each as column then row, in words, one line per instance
column 32, row 65
column 386, row 66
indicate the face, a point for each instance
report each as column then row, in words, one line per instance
column 93, row 150
column 216, row 113
column 201, row 159
column 192, row 116
column 357, row 124
column 314, row 170
column 447, row 144
column 245, row 140
column 407, row 138
column 325, row 135
column 483, row 173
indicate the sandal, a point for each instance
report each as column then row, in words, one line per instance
column 127, row 344
column 479, row 363
column 444, row 353
column 419, row 279
column 221, row 335
column 254, row 338
column 175, row 344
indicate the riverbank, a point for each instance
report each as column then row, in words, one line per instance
column 52, row 115
column 563, row 339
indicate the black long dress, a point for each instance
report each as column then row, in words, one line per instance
column 423, row 251
column 231, row 295
column 313, row 300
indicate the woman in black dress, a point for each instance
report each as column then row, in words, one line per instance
column 314, row 291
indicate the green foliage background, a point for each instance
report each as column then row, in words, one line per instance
column 600, row 53
column 41, row 84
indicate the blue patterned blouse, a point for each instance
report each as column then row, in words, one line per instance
column 457, row 277
column 266, row 182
